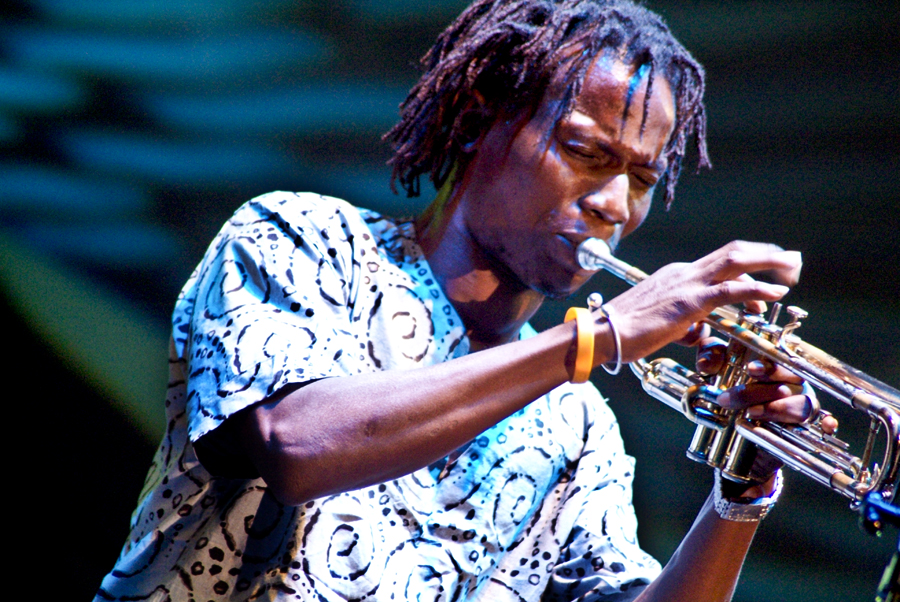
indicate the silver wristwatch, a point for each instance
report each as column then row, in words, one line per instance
column 749, row 511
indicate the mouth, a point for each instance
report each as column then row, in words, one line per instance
column 572, row 241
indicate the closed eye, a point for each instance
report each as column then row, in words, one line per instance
column 646, row 179
column 596, row 158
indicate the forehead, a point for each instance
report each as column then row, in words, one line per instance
column 614, row 94
column 612, row 100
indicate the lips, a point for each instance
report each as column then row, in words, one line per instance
column 572, row 241
column 574, row 238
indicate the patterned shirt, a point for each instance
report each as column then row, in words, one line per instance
column 298, row 287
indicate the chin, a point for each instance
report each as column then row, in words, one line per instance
column 558, row 295
column 558, row 291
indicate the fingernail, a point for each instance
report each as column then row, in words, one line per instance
column 786, row 389
column 724, row 399
column 755, row 411
column 756, row 368
column 777, row 289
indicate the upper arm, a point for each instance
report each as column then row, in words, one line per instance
column 272, row 309
column 238, row 447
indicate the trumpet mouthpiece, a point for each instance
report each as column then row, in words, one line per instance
column 593, row 254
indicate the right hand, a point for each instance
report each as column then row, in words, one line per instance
column 665, row 306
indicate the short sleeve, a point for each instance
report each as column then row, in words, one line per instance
column 273, row 304
column 601, row 558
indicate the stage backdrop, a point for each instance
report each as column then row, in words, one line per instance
column 130, row 130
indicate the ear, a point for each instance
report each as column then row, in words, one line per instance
column 473, row 121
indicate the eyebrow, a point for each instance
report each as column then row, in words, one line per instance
column 657, row 165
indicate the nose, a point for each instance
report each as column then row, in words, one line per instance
column 610, row 201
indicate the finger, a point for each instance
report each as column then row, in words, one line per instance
column 695, row 334
column 756, row 307
column 753, row 306
column 829, row 424
column 752, row 394
column 741, row 257
column 764, row 370
column 793, row 410
column 710, row 355
column 743, row 291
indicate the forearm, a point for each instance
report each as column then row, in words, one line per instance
column 344, row 433
column 707, row 564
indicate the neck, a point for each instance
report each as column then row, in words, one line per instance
column 492, row 303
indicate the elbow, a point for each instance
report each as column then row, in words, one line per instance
column 299, row 458
column 289, row 485
column 290, row 467
column 292, row 475
column 289, row 492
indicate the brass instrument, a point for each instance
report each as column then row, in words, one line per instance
column 726, row 439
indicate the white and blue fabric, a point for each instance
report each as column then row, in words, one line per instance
column 298, row 287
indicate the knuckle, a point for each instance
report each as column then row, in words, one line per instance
column 725, row 290
column 768, row 366
column 731, row 398
column 790, row 390
column 686, row 305
column 737, row 247
column 733, row 257
column 671, row 269
column 776, row 407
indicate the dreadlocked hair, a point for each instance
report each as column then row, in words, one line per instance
column 507, row 53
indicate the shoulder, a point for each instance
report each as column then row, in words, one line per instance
column 287, row 227
column 275, row 241
column 302, row 213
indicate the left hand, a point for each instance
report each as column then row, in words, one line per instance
column 774, row 392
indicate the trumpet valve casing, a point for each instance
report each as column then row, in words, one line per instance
column 716, row 442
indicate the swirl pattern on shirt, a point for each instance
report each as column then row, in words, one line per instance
column 298, row 287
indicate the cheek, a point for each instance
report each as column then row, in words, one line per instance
column 539, row 186
column 638, row 213
column 558, row 181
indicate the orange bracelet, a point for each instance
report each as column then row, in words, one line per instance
column 584, row 356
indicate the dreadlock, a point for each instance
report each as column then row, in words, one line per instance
column 509, row 52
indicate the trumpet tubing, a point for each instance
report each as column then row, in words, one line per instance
column 729, row 440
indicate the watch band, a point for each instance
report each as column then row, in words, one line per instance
column 749, row 511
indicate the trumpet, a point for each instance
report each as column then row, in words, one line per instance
column 729, row 440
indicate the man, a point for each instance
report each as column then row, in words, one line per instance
column 358, row 409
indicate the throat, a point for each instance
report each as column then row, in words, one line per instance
column 492, row 303
column 498, row 318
